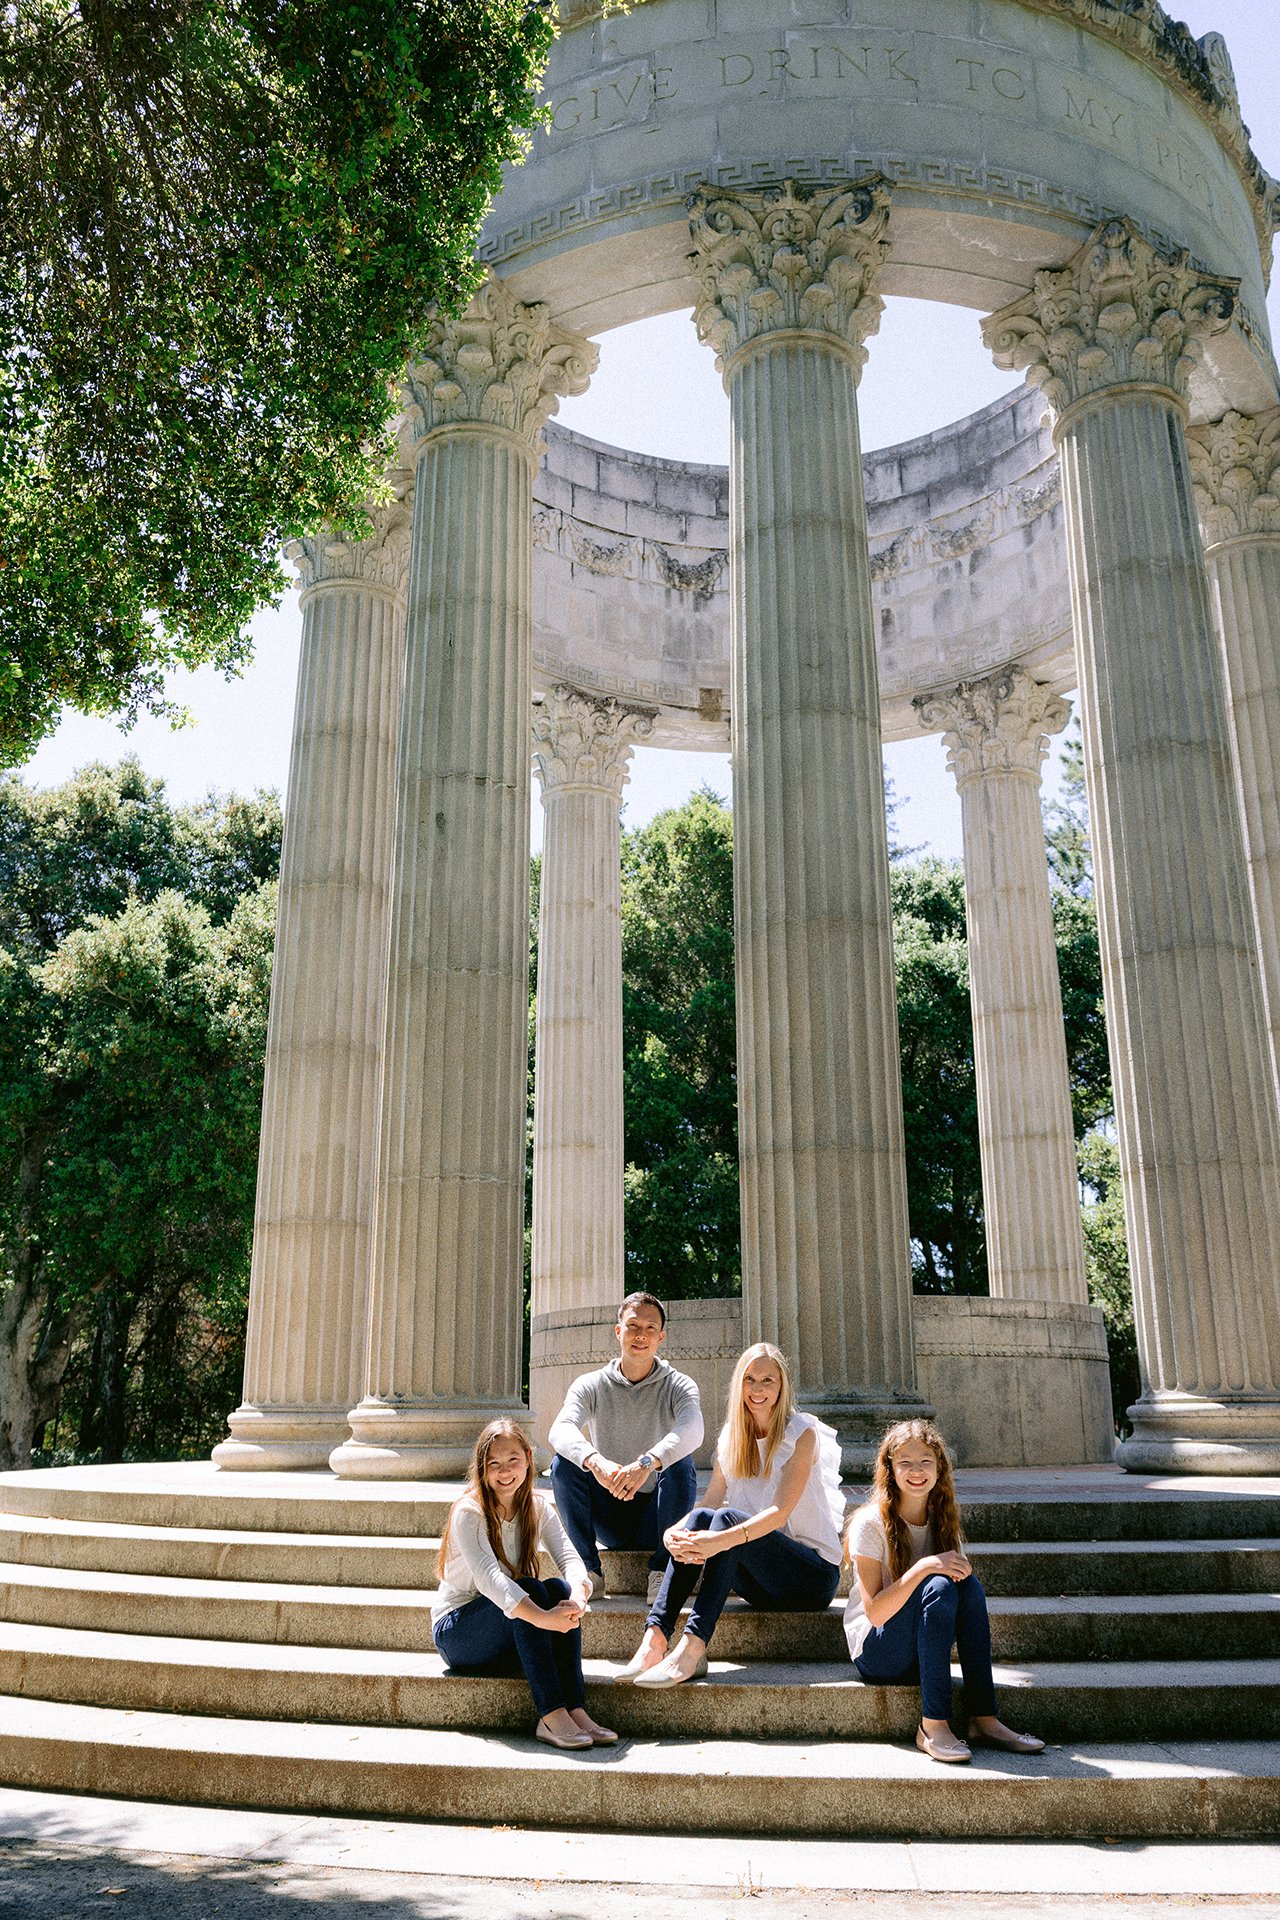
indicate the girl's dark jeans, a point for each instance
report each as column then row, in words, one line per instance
column 917, row 1641
column 479, row 1638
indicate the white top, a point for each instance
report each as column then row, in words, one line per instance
column 471, row 1565
column 867, row 1540
column 816, row 1518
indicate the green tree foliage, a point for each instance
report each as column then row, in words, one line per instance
column 135, row 959
column 223, row 224
column 1066, row 822
column 680, row 1073
column 939, row 1095
column 1107, row 1261
column 679, row 1070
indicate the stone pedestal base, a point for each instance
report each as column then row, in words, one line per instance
column 1016, row 1383
column 280, row 1439
column 415, row 1443
column 704, row 1339
column 1185, row 1433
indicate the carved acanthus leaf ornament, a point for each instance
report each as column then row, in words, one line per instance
column 579, row 741
column 501, row 363
column 1236, row 468
column 1119, row 312
column 340, row 557
column 789, row 259
column 999, row 724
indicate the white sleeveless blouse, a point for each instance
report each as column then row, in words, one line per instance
column 818, row 1515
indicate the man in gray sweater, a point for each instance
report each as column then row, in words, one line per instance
column 624, row 1442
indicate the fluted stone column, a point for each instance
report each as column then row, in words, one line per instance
column 1236, row 465
column 445, row 1290
column 304, row 1359
column 996, row 733
column 787, row 298
column 581, row 749
column 1109, row 339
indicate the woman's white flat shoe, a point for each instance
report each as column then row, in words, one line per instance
column 625, row 1676
column 667, row 1673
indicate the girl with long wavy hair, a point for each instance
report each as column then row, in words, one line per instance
column 491, row 1613
column 915, row 1594
column 769, row 1529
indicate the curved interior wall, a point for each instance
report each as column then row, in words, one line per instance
column 968, row 566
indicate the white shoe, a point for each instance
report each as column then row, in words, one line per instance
column 669, row 1673
column 597, row 1586
column 651, row 1591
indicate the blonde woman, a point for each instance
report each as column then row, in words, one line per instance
column 491, row 1613
column 769, row 1529
column 916, row 1593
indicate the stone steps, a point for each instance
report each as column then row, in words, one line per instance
column 1066, row 1505
column 667, row 1784
column 1240, row 1625
column 142, row 1610
column 1027, row 1568
column 1069, row 1701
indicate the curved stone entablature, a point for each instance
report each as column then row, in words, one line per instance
column 631, row 570
column 1005, row 131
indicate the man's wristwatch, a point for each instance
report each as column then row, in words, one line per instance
column 648, row 1461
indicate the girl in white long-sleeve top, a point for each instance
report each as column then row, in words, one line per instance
column 491, row 1613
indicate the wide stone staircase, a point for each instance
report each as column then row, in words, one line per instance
column 174, row 1633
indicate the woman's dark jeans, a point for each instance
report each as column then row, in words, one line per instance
column 775, row 1573
column 479, row 1638
column 917, row 1642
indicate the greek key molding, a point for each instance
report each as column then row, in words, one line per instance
column 1120, row 312
column 999, row 724
column 502, row 363
column 1236, row 468
column 336, row 557
column 791, row 259
column 582, row 741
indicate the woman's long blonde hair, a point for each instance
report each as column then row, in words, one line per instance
column 480, row 1494
column 740, row 1440
column 942, row 1512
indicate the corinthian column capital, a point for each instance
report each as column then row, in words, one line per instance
column 501, row 363
column 1120, row 313
column 999, row 724
column 789, row 260
column 582, row 742
column 337, row 557
column 1236, row 468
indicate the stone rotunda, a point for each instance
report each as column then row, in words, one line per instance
column 1077, row 174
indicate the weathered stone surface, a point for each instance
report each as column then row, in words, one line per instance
column 1236, row 465
column 446, row 1272
column 581, row 750
column 304, row 1362
column 996, row 733
column 825, row 1261
column 1111, row 338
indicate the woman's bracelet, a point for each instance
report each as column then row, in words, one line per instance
column 746, row 1537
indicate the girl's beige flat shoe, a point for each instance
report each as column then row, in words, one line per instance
column 578, row 1741
column 942, row 1746
column 1007, row 1742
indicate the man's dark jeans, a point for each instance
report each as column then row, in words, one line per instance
column 593, row 1518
